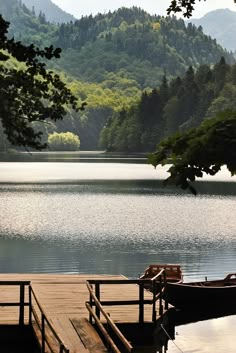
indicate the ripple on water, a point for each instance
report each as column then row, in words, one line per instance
column 67, row 221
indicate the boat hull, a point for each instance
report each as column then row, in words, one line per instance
column 172, row 274
column 204, row 294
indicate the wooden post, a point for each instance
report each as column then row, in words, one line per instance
column 97, row 294
column 22, row 304
column 166, row 302
column 91, row 305
column 141, row 305
column 30, row 306
column 160, row 300
column 62, row 348
column 43, row 333
column 154, row 314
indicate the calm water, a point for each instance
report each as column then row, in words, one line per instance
column 71, row 214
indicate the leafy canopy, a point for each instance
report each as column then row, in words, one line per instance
column 201, row 150
column 64, row 141
column 185, row 6
column 28, row 92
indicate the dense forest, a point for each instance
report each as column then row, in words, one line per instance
column 124, row 64
column 133, row 44
column 177, row 105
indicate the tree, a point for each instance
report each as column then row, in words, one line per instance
column 28, row 92
column 185, row 6
column 64, row 141
column 204, row 149
column 201, row 150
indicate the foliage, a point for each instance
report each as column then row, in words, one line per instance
column 127, row 51
column 201, row 150
column 129, row 43
column 108, row 59
column 30, row 93
column 135, row 45
column 64, row 141
column 177, row 105
column 102, row 102
column 185, row 6
column 207, row 148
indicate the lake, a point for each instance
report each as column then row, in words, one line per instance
column 96, row 213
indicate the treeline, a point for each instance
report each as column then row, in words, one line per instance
column 176, row 105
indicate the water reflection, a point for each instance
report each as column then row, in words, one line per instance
column 212, row 332
column 207, row 332
column 196, row 332
column 81, row 156
column 110, row 172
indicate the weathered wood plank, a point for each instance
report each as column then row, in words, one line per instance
column 88, row 335
column 63, row 296
column 70, row 336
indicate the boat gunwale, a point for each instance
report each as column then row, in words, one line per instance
column 203, row 286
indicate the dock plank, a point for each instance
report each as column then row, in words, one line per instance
column 88, row 335
column 63, row 297
column 70, row 336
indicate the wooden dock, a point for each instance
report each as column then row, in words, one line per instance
column 62, row 299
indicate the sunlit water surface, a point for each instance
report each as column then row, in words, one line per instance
column 116, row 218
column 209, row 336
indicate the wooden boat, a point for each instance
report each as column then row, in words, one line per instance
column 173, row 274
column 202, row 294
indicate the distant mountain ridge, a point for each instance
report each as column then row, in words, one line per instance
column 221, row 25
column 53, row 13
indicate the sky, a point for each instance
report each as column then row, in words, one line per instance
column 86, row 7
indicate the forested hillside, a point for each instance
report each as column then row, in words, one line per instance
column 108, row 60
column 133, row 44
column 177, row 105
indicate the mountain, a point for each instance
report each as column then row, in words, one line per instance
column 131, row 44
column 109, row 59
column 25, row 25
column 53, row 13
column 127, row 44
column 221, row 25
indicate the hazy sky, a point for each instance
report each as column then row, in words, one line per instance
column 86, row 7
